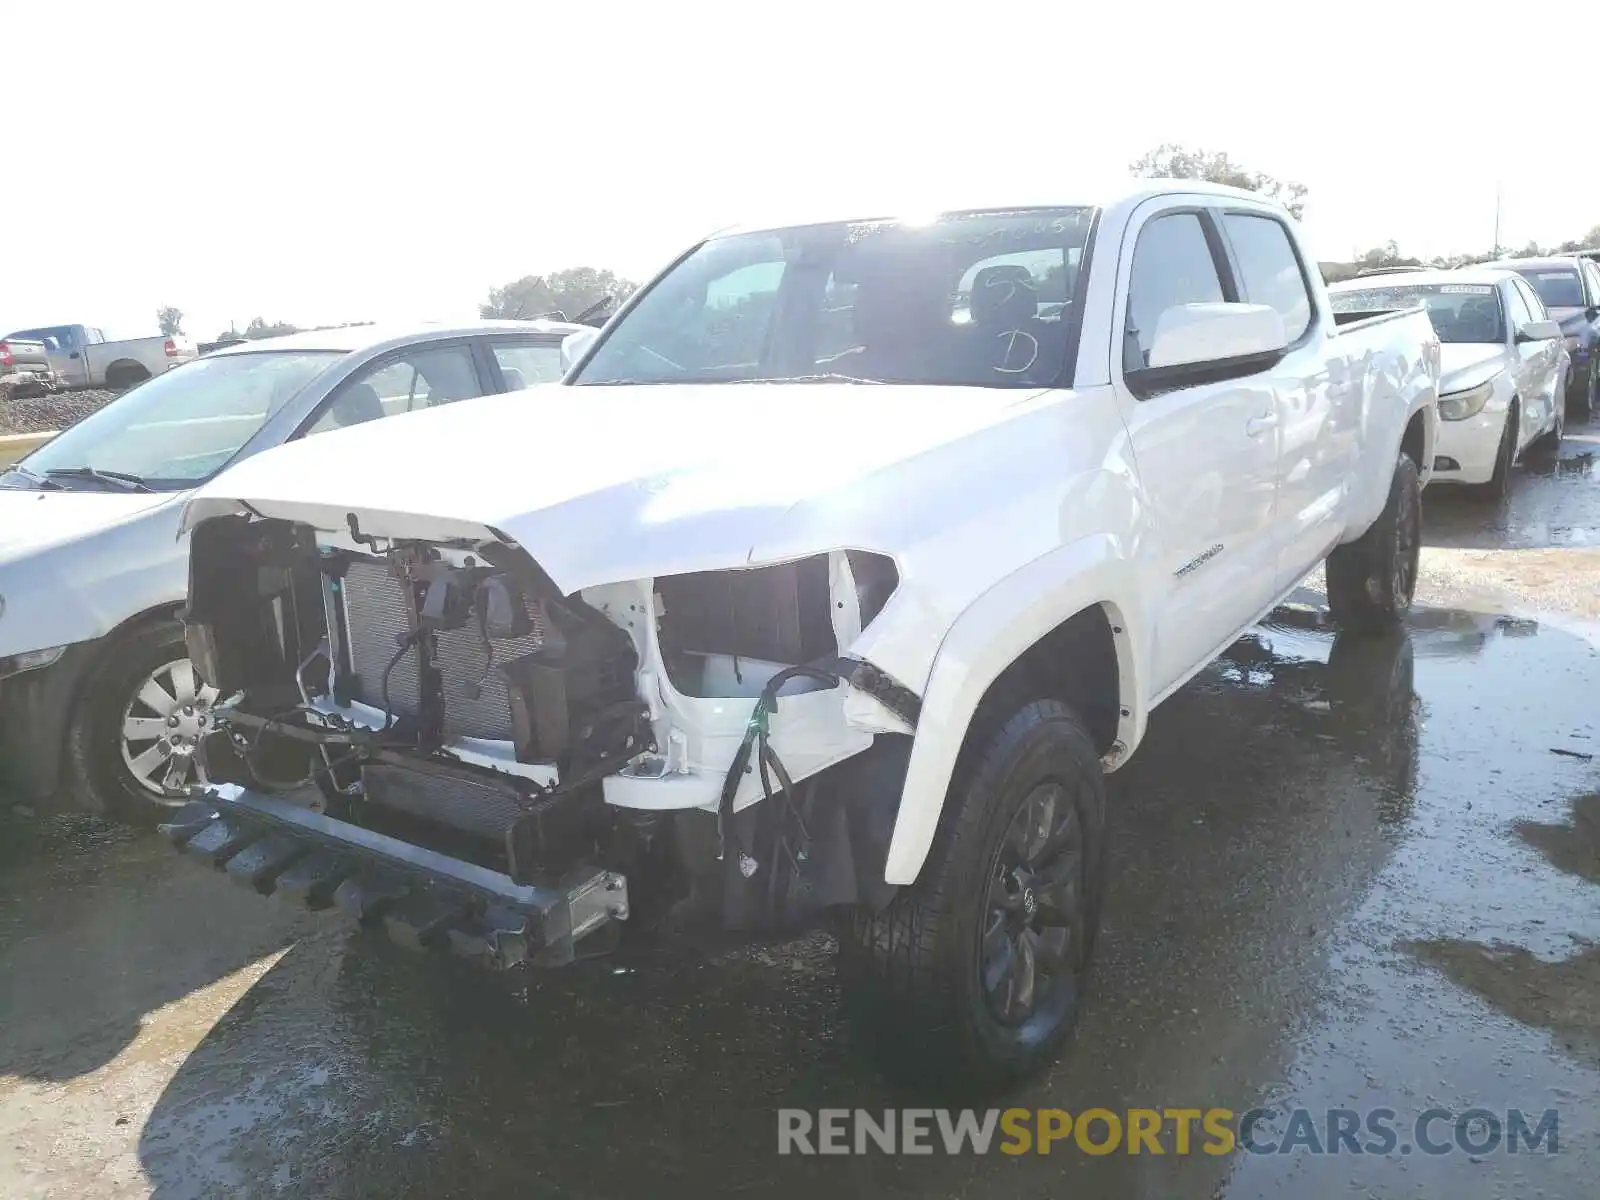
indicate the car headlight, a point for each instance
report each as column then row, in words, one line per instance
column 30, row 660
column 1458, row 406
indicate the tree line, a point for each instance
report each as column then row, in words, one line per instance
column 561, row 295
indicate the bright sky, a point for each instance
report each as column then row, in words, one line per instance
column 321, row 162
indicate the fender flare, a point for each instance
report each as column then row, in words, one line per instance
column 985, row 639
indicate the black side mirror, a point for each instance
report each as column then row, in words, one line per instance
column 1592, row 311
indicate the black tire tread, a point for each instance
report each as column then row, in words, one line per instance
column 90, row 767
column 1351, row 566
column 895, row 960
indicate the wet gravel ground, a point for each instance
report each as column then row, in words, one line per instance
column 43, row 414
column 1347, row 875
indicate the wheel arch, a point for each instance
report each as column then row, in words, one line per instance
column 140, row 622
column 129, row 368
column 1416, row 443
column 1060, row 628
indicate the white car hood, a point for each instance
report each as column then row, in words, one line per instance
column 1464, row 365
column 34, row 521
column 605, row 484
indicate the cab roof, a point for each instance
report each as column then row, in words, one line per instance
column 915, row 203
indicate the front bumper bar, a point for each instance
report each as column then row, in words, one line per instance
column 422, row 898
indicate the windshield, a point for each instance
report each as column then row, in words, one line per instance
column 184, row 425
column 980, row 299
column 1557, row 287
column 1461, row 312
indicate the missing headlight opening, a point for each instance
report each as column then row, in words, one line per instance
column 687, row 734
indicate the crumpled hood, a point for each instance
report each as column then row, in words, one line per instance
column 33, row 521
column 604, row 484
column 1464, row 365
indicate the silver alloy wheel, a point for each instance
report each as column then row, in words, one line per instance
column 165, row 727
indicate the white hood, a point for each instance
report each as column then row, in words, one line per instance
column 33, row 521
column 1464, row 365
column 604, row 484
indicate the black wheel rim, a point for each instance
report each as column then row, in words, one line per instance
column 1407, row 549
column 1031, row 947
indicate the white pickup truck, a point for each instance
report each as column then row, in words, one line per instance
column 825, row 588
column 82, row 356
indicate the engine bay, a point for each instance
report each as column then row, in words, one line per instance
column 448, row 695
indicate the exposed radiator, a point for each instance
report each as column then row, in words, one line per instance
column 378, row 615
column 475, row 704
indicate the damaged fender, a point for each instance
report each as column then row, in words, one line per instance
column 989, row 636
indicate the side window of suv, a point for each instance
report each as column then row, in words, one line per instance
column 1172, row 265
column 421, row 378
column 1270, row 269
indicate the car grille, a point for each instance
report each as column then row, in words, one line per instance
column 476, row 703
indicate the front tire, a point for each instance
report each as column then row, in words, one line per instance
column 1583, row 408
column 1547, row 448
column 1371, row 581
column 139, row 734
column 1499, row 485
column 976, row 973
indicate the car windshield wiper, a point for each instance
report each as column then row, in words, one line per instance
column 120, row 479
column 30, row 476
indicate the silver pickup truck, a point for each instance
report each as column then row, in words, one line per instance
column 83, row 357
column 24, row 368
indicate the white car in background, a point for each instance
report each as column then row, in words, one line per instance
column 1503, row 371
column 99, row 706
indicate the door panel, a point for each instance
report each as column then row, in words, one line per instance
column 1207, row 456
column 1212, row 488
column 1319, row 408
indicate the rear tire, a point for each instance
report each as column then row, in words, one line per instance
column 976, row 973
column 1371, row 581
column 121, row 377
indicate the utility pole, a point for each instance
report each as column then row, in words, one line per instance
column 1496, row 252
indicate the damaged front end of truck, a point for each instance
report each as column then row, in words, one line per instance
column 428, row 734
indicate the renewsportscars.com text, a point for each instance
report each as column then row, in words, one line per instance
column 1176, row 1131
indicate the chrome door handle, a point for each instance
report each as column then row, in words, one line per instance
column 1256, row 426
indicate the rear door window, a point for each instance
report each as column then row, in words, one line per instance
column 420, row 378
column 523, row 364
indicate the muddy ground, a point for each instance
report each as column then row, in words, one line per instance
column 1346, row 876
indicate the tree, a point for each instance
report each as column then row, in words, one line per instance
column 567, row 292
column 170, row 320
column 1386, row 255
column 1172, row 161
column 260, row 327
